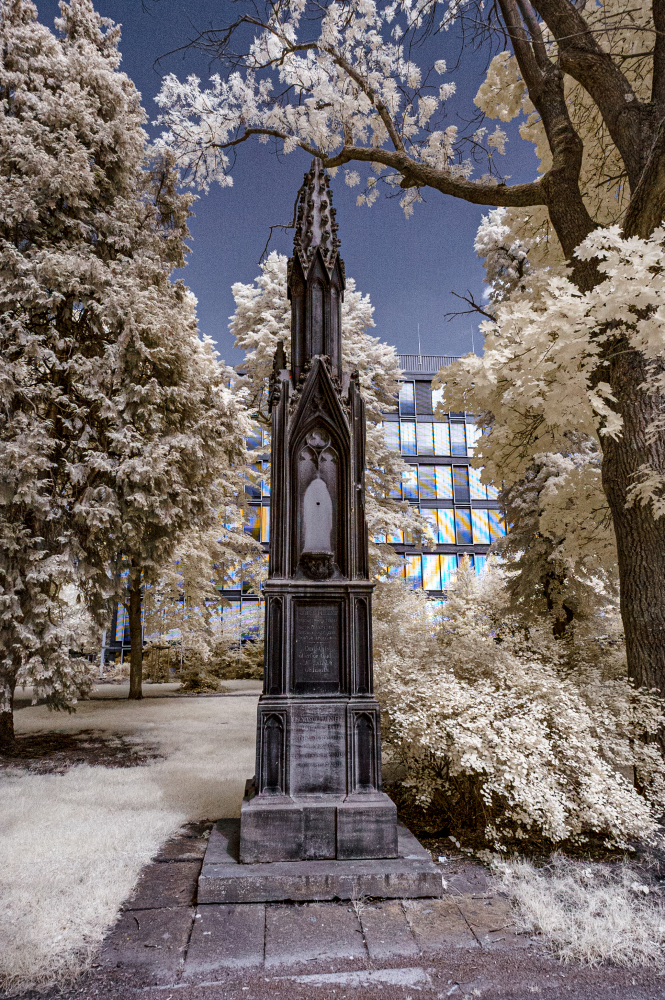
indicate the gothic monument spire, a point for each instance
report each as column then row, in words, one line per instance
column 316, row 277
column 317, row 792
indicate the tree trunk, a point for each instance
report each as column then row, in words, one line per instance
column 640, row 537
column 135, row 635
column 7, row 687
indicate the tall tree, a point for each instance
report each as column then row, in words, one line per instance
column 68, row 129
column 339, row 81
column 115, row 414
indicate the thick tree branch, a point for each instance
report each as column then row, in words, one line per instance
column 568, row 213
column 647, row 206
column 416, row 174
column 628, row 121
column 658, row 82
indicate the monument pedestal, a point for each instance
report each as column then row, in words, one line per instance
column 409, row 875
column 316, row 827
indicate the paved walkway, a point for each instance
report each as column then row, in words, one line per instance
column 464, row 945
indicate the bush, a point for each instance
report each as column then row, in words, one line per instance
column 227, row 662
column 497, row 732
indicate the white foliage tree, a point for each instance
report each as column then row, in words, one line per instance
column 116, row 417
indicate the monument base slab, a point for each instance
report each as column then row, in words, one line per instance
column 410, row 875
column 317, row 827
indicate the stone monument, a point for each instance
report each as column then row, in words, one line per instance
column 317, row 789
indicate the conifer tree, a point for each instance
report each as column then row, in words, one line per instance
column 116, row 417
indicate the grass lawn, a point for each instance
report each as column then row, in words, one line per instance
column 72, row 844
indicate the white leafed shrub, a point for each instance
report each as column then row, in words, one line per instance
column 497, row 730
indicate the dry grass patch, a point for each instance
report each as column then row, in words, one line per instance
column 72, row 844
column 589, row 912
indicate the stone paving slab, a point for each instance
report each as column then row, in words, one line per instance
column 189, row 845
column 226, row 936
column 387, row 932
column 439, row 925
column 151, row 943
column 160, row 885
column 224, row 880
column 312, row 932
column 491, row 920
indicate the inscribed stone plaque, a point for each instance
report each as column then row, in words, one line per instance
column 318, row 749
column 317, row 637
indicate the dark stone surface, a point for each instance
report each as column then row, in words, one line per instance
column 367, row 827
column 387, row 932
column 224, row 880
column 151, row 943
column 313, row 932
column 225, row 937
column 166, row 884
column 189, row 845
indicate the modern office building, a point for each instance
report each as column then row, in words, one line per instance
column 465, row 514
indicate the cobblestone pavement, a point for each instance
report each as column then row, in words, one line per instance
column 165, row 947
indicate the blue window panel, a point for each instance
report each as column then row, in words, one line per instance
column 425, row 436
column 497, row 524
column 427, row 477
column 441, row 439
column 463, row 524
column 251, row 488
column 253, row 522
column 478, row 489
column 480, row 563
column 396, row 538
column 414, row 573
column 410, row 483
column 265, row 483
column 379, row 539
column 457, row 439
column 481, row 528
column 397, row 572
column 254, row 438
column 461, row 484
column 122, row 621
column 473, row 433
column 492, row 493
column 391, row 435
column 431, row 572
column 446, row 519
column 448, row 570
column 444, row 482
column 431, row 518
column 265, row 524
column 407, row 400
column 408, row 439
column 437, row 397
column 465, row 556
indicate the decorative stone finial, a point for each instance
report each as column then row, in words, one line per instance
column 316, row 226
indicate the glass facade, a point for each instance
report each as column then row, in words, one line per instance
column 463, row 513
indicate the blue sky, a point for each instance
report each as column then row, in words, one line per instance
column 408, row 266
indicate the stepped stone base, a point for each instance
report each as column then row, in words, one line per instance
column 223, row 879
column 317, row 827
